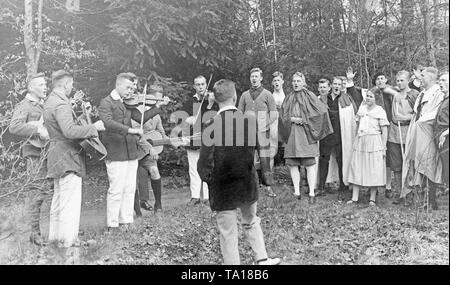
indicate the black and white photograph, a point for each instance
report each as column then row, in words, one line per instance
column 223, row 133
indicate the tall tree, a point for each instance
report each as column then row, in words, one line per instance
column 32, row 36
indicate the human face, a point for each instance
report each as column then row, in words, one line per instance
column 427, row 79
column 38, row 87
column 69, row 85
column 324, row 89
column 337, row 86
column 277, row 83
column 125, row 88
column 256, row 79
column 370, row 99
column 200, row 85
column 443, row 83
column 381, row 81
column 297, row 82
column 135, row 86
column 402, row 81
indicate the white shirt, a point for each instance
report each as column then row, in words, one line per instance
column 432, row 98
column 226, row 108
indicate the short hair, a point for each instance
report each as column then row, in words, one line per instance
column 338, row 78
column 59, row 75
column 378, row 74
column 343, row 78
column 200, row 77
column 155, row 88
column 125, row 76
column 403, row 72
column 324, row 80
column 256, row 69
column 299, row 74
column 277, row 74
column 224, row 89
column 434, row 71
column 34, row 76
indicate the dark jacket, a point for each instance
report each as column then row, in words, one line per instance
column 228, row 169
column 24, row 112
column 120, row 145
column 188, row 107
column 65, row 154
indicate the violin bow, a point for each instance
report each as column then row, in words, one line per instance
column 143, row 110
column 201, row 103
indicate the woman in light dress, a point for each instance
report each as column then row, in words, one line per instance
column 368, row 163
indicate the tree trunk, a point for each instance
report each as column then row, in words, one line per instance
column 28, row 38
column 261, row 26
column 32, row 48
column 425, row 9
column 405, row 16
column 274, row 33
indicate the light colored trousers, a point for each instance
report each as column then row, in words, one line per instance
column 194, row 177
column 122, row 187
column 65, row 210
column 228, row 229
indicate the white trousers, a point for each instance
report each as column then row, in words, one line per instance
column 194, row 177
column 122, row 187
column 65, row 210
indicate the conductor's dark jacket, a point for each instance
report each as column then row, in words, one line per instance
column 227, row 165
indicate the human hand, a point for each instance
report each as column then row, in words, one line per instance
column 153, row 155
column 163, row 103
column 350, row 74
column 417, row 72
column 190, row 120
column 99, row 126
column 136, row 131
column 43, row 133
column 442, row 138
column 211, row 99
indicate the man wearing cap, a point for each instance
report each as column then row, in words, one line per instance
column 66, row 163
column 24, row 123
column 422, row 166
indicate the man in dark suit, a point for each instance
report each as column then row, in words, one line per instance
column 226, row 164
column 120, row 140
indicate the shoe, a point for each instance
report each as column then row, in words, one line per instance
column 372, row 203
column 37, row 239
column 388, row 193
column 194, row 201
column 146, row 205
column 206, row 202
column 298, row 197
column 312, row 200
column 320, row 192
column 158, row 211
column 351, row 202
column 269, row 261
column 270, row 192
column 341, row 196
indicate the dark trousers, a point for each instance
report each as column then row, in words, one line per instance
column 143, row 191
column 324, row 161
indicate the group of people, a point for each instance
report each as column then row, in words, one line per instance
column 369, row 134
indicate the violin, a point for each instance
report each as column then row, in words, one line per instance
column 92, row 145
column 144, row 99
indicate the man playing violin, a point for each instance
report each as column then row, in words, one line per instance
column 191, row 106
column 66, row 163
column 148, row 165
column 120, row 140
column 27, row 111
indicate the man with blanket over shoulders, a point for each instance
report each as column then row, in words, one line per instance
column 422, row 166
column 341, row 110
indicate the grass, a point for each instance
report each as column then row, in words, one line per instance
column 324, row 233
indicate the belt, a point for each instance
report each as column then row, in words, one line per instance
column 402, row 123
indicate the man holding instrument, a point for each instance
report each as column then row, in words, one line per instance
column 66, row 163
column 120, row 140
column 148, row 164
column 196, row 106
column 24, row 123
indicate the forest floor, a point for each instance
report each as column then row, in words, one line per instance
column 327, row 232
